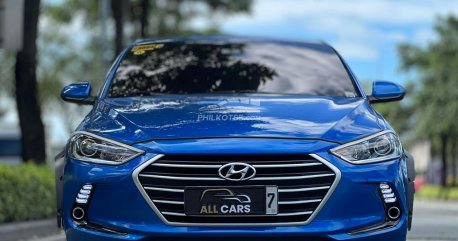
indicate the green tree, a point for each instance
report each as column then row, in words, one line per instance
column 64, row 58
column 436, row 101
column 399, row 116
column 150, row 18
column 52, row 57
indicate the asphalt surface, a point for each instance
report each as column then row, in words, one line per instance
column 433, row 221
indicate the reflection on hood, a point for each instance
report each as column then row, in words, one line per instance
column 141, row 119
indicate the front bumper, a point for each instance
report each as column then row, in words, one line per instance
column 117, row 204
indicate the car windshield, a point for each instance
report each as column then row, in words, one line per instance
column 258, row 67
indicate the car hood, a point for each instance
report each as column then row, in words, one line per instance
column 139, row 119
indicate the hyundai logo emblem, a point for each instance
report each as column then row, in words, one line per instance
column 237, row 171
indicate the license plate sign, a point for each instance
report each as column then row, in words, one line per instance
column 231, row 201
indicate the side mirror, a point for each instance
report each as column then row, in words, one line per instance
column 79, row 93
column 385, row 91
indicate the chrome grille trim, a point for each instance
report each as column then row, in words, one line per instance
column 161, row 215
column 304, row 189
column 174, row 214
column 288, row 165
column 221, row 179
column 184, row 165
column 299, row 201
column 254, row 165
column 291, row 177
column 294, row 214
column 164, row 189
column 280, row 190
column 183, row 178
column 168, row 202
column 278, row 215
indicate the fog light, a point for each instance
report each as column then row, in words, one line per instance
column 394, row 213
column 80, row 207
column 392, row 208
column 78, row 213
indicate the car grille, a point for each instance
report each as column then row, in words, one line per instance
column 304, row 183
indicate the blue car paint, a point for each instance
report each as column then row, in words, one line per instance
column 132, row 120
column 385, row 89
column 115, row 189
column 77, row 91
column 268, row 125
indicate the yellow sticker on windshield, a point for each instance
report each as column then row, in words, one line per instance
column 141, row 49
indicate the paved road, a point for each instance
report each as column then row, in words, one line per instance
column 433, row 221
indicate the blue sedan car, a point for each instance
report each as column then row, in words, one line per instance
column 233, row 138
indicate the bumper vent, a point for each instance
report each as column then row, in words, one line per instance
column 304, row 183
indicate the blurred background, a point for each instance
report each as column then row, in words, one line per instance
column 47, row 44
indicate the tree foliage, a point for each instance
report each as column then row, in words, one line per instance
column 435, row 102
column 150, row 18
column 64, row 55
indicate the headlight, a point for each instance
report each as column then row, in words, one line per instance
column 91, row 148
column 379, row 147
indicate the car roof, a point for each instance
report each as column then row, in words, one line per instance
column 224, row 39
